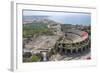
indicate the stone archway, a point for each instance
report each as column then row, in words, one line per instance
column 68, row 51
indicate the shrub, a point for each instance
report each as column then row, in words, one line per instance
column 35, row 58
column 27, row 55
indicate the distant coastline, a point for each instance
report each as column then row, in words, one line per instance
column 64, row 18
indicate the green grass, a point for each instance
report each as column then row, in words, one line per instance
column 32, row 29
column 34, row 26
column 66, row 27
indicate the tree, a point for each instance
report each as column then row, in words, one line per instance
column 27, row 55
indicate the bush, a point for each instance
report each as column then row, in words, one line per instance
column 35, row 58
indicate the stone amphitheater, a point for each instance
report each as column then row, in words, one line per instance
column 71, row 42
column 74, row 41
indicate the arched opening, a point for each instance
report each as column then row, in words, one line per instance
column 74, row 51
column 63, row 44
column 68, row 51
column 84, row 48
column 79, row 50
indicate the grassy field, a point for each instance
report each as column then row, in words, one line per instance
column 31, row 29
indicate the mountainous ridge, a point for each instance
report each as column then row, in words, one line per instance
column 38, row 19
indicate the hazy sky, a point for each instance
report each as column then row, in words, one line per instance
column 62, row 17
